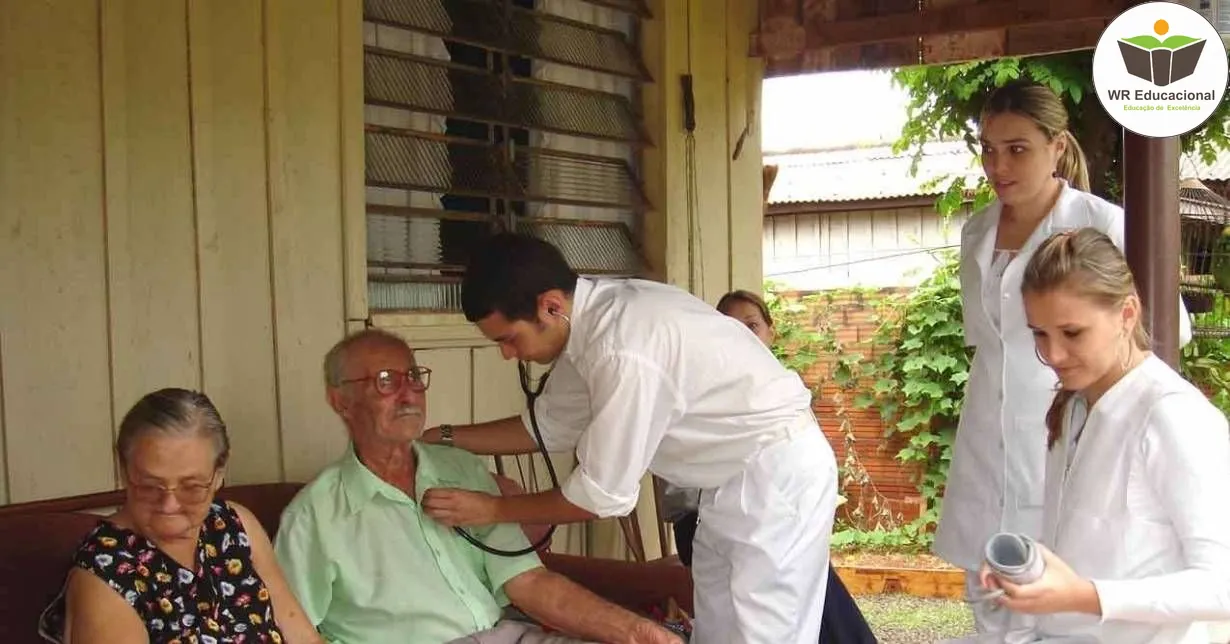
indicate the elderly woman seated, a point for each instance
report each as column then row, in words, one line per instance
column 172, row 565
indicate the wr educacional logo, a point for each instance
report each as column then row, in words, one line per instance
column 1160, row 69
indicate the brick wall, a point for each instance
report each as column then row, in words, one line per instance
column 851, row 317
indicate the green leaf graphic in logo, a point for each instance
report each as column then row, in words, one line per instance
column 1151, row 42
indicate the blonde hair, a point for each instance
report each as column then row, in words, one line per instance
column 1040, row 105
column 1087, row 263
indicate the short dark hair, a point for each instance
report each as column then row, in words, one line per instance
column 173, row 412
column 508, row 272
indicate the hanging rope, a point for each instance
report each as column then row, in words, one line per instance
column 696, row 261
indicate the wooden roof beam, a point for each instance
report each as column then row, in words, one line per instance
column 778, row 39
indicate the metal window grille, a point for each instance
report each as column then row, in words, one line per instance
column 465, row 136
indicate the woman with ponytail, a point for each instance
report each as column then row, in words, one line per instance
column 1136, row 536
column 995, row 483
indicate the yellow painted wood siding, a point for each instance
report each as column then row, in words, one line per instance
column 181, row 203
column 232, row 196
column 173, row 207
column 706, row 240
column 54, row 320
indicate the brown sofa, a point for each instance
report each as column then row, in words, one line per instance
column 37, row 541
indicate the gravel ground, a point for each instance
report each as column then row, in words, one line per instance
column 904, row 619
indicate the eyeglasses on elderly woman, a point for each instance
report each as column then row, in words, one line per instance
column 192, row 493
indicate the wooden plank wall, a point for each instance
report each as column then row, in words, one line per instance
column 705, row 240
column 181, row 204
column 172, row 213
column 237, row 327
column 879, row 248
column 54, row 318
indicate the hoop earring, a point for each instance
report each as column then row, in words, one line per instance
column 1038, row 355
column 1126, row 360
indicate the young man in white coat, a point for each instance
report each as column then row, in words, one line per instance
column 995, row 482
column 648, row 377
column 1136, row 537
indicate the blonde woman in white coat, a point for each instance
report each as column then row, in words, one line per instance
column 1040, row 179
column 1137, row 472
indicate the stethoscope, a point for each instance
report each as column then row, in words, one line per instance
column 531, row 397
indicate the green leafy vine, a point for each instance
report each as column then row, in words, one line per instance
column 912, row 371
column 918, row 383
column 807, row 342
column 1205, row 361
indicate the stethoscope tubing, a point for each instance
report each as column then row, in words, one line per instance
column 531, row 397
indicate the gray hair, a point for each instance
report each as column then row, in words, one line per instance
column 335, row 359
column 173, row 412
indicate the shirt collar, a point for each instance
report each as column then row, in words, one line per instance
column 360, row 485
column 580, row 302
column 1059, row 211
column 1124, row 389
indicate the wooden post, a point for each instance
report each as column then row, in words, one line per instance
column 1151, row 232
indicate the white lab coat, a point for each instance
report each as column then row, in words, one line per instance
column 1141, row 511
column 995, row 482
column 653, row 378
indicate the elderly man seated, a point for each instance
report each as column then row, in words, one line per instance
column 370, row 567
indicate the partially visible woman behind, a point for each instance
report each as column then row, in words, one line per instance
column 172, row 564
column 1137, row 471
column 750, row 309
column 679, row 504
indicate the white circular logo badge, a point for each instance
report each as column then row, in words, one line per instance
column 1160, row 69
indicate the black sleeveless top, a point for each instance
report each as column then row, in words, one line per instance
column 222, row 601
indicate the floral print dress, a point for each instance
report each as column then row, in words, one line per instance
column 222, row 601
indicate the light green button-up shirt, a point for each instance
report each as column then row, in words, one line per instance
column 370, row 567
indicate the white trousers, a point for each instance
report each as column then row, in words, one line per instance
column 761, row 554
column 515, row 632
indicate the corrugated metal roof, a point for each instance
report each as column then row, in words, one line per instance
column 876, row 173
column 1190, row 165
column 1198, row 202
column 867, row 173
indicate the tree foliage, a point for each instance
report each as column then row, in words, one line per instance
column 944, row 101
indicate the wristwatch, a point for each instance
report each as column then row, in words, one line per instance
column 446, row 435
